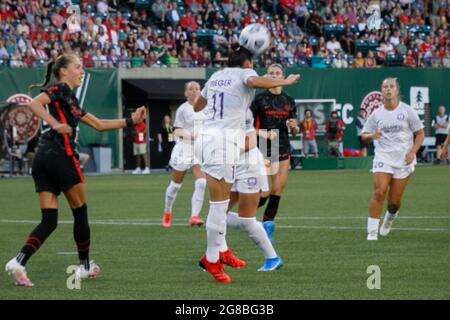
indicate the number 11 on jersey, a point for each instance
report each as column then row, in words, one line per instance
column 221, row 97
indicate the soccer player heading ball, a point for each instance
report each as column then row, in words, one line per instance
column 225, row 99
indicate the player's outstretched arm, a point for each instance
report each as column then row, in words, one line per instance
column 267, row 83
column 104, row 125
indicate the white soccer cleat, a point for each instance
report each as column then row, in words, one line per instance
column 94, row 271
column 372, row 236
column 386, row 227
column 18, row 273
column 146, row 171
column 136, row 171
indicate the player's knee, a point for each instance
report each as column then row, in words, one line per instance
column 379, row 195
column 393, row 207
column 276, row 190
column 50, row 221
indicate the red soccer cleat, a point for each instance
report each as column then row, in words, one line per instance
column 215, row 269
column 195, row 221
column 167, row 217
column 230, row 259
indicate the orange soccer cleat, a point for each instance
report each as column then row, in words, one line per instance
column 215, row 269
column 167, row 217
column 195, row 221
column 231, row 260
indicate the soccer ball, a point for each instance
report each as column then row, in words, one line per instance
column 255, row 37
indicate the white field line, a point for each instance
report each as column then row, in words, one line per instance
column 158, row 224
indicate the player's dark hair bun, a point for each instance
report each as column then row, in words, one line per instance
column 235, row 46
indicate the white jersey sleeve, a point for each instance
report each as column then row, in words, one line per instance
column 370, row 126
column 414, row 121
column 180, row 119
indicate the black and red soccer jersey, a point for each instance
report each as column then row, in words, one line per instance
column 271, row 112
column 63, row 107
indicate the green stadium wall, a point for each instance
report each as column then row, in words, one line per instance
column 347, row 86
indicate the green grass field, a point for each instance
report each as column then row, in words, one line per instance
column 320, row 235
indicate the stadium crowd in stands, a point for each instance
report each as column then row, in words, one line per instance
column 198, row 33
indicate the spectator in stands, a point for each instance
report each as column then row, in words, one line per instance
column 173, row 15
column 410, row 60
column 4, row 54
column 340, row 62
column 195, row 6
column 370, row 61
column 138, row 60
column 333, row 46
column 159, row 10
column 358, row 62
column 25, row 24
column 188, row 22
column 16, row 61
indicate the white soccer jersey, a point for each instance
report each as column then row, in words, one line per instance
column 228, row 99
column 186, row 118
column 397, row 129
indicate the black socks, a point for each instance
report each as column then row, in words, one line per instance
column 49, row 222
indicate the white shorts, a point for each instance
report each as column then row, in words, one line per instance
column 251, row 177
column 183, row 157
column 397, row 173
column 253, row 184
column 219, row 161
column 139, row 148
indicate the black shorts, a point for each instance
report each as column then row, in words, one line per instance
column 284, row 153
column 362, row 144
column 440, row 139
column 55, row 173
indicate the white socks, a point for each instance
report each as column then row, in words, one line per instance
column 216, row 225
column 256, row 232
column 197, row 196
column 171, row 195
column 233, row 220
column 372, row 225
column 390, row 216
